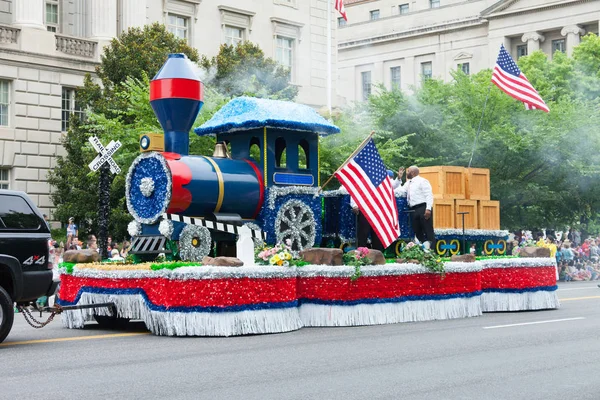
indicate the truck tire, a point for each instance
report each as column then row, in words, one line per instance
column 111, row 321
column 7, row 314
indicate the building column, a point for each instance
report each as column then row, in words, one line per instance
column 103, row 19
column 533, row 40
column 29, row 13
column 573, row 34
column 133, row 14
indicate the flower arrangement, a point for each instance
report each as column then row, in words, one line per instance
column 281, row 254
column 430, row 260
column 357, row 259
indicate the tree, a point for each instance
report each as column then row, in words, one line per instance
column 243, row 69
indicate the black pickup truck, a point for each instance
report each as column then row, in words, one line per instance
column 25, row 270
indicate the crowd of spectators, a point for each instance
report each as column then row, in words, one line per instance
column 577, row 259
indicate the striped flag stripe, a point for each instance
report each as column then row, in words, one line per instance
column 363, row 205
column 520, row 83
column 375, row 197
column 383, row 234
column 520, row 90
column 364, row 198
column 367, row 197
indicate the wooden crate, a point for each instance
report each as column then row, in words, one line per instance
column 489, row 214
column 478, row 183
column 471, row 220
column 447, row 183
column 435, row 177
column 443, row 214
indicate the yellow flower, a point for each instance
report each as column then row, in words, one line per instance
column 438, row 260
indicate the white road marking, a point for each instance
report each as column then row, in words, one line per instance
column 533, row 323
column 580, row 288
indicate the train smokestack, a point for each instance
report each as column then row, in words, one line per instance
column 176, row 96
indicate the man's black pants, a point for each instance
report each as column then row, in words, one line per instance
column 362, row 234
column 423, row 227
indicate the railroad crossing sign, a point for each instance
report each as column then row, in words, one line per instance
column 105, row 155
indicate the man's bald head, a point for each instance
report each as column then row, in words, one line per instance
column 412, row 171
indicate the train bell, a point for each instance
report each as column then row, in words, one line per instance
column 221, row 150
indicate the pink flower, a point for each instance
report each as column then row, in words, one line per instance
column 409, row 245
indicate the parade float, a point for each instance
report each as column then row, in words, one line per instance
column 260, row 190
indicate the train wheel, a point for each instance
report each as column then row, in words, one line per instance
column 488, row 247
column 441, row 247
column 296, row 221
column 454, row 247
column 501, row 247
column 399, row 247
column 194, row 243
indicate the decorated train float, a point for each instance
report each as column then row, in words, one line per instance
column 261, row 189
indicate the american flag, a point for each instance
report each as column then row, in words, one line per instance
column 339, row 5
column 509, row 78
column 366, row 179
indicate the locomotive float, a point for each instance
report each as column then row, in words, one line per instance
column 264, row 174
column 263, row 178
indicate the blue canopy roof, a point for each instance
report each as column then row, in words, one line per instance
column 249, row 112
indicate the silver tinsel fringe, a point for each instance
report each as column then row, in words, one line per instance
column 187, row 323
column 540, row 300
column 389, row 313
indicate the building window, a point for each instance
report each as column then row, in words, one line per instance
column 465, row 68
column 521, row 51
column 178, row 26
column 558, row 45
column 52, row 15
column 426, row 70
column 374, row 15
column 70, row 106
column 395, row 77
column 233, row 35
column 341, row 22
column 403, row 9
column 434, row 3
column 4, row 182
column 4, row 102
column 366, row 84
column 284, row 52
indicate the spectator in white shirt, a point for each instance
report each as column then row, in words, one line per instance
column 419, row 196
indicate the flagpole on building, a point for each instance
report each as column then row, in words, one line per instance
column 480, row 121
column 329, row 57
column 355, row 152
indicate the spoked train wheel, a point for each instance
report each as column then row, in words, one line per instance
column 296, row 221
column 194, row 243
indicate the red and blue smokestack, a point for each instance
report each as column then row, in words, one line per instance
column 176, row 96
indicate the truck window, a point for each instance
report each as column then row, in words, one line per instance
column 15, row 213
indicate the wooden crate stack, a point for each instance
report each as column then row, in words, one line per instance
column 460, row 189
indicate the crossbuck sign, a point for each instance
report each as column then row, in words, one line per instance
column 105, row 155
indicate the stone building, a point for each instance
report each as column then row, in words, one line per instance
column 400, row 42
column 47, row 46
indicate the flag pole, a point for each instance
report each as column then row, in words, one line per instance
column 329, row 57
column 359, row 148
column 480, row 121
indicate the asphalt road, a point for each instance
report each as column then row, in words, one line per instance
column 477, row 358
